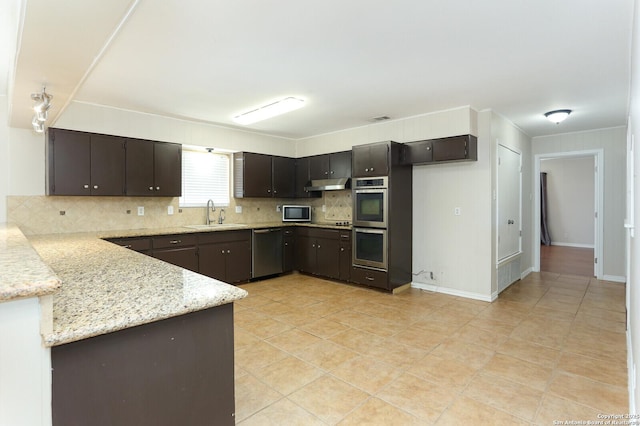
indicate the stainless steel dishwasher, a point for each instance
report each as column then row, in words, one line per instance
column 266, row 252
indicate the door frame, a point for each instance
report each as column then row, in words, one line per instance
column 598, row 197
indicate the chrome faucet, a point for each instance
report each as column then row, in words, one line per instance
column 221, row 216
column 210, row 208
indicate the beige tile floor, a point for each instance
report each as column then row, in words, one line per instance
column 315, row 352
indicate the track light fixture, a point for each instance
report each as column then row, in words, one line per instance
column 41, row 109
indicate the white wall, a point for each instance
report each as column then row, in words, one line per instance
column 570, row 200
column 613, row 143
column 633, row 291
column 4, row 159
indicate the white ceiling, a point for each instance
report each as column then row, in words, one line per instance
column 208, row 60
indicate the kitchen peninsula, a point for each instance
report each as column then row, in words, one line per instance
column 132, row 339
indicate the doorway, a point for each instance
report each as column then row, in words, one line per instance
column 573, row 249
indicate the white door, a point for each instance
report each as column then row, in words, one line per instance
column 509, row 202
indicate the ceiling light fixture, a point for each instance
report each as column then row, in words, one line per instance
column 558, row 115
column 271, row 110
column 41, row 109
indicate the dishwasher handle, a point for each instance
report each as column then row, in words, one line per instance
column 266, row 231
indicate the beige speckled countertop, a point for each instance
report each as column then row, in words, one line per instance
column 106, row 287
column 22, row 271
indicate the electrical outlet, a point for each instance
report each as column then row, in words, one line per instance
column 170, row 210
column 140, row 211
column 278, row 208
column 456, row 211
column 324, row 208
column 238, row 209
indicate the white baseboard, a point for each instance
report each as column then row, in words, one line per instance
column 630, row 374
column 572, row 245
column 525, row 273
column 614, row 278
column 453, row 292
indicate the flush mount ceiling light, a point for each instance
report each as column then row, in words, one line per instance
column 41, row 109
column 558, row 115
column 271, row 110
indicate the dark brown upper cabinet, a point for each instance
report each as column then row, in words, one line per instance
column 153, row 168
column 261, row 175
column 329, row 166
column 80, row 163
column 443, row 150
column 283, row 177
column 303, row 178
column 371, row 159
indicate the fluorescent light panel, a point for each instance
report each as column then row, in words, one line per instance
column 271, row 110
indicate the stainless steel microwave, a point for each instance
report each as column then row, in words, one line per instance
column 296, row 213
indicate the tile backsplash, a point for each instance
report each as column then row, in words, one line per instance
column 59, row 214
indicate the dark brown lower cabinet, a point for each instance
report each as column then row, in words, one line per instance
column 318, row 252
column 345, row 262
column 288, row 250
column 139, row 244
column 370, row 277
column 177, row 371
column 179, row 250
column 225, row 255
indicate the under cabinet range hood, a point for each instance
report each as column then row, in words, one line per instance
column 329, row 184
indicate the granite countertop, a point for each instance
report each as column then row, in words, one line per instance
column 142, row 232
column 98, row 287
column 106, row 288
column 22, row 271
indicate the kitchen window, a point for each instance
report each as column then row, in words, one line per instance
column 205, row 176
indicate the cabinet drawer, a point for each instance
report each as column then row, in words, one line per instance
column 345, row 235
column 370, row 277
column 137, row 244
column 215, row 237
column 318, row 233
column 179, row 240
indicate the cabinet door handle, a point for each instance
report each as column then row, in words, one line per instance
column 151, row 188
column 318, row 245
column 275, row 192
column 366, row 169
column 332, row 171
column 95, row 186
column 86, row 186
column 175, row 241
column 228, row 251
column 371, row 169
column 341, row 248
column 127, row 246
column 369, row 278
column 313, row 245
column 157, row 188
column 286, row 244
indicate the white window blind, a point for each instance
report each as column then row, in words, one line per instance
column 204, row 176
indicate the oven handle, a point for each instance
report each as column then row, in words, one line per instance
column 379, row 190
column 370, row 230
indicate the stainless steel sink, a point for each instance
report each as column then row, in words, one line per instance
column 217, row 225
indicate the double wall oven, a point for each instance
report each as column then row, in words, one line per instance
column 370, row 212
